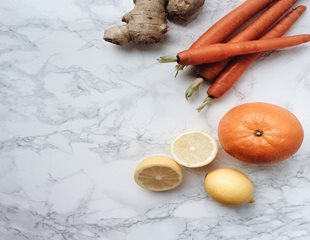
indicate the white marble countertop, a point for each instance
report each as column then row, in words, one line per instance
column 77, row 114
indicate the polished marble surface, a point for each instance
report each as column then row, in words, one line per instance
column 77, row 114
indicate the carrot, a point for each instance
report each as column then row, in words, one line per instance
column 239, row 65
column 222, row 51
column 253, row 31
column 210, row 71
column 229, row 23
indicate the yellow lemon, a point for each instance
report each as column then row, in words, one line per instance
column 229, row 186
column 194, row 149
column 158, row 173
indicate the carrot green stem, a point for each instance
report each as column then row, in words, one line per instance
column 178, row 68
column 193, row 87
column 205, row 103
column 167, row 59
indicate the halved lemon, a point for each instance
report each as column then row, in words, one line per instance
column 158, row 173
column 194, row 149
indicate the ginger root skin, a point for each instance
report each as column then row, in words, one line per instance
column 182, row 10
column 145, row 24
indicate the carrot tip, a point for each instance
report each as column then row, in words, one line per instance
column 193, row 87
column 205, row 103
column 167, row 59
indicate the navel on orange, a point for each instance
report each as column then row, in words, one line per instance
column 260, row 133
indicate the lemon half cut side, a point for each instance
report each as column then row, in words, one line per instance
column 158, row 173
column 194, row 149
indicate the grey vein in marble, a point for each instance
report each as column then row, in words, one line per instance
column 77, row 114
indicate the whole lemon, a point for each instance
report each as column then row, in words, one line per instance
column 229, row 186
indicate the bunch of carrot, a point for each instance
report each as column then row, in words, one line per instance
column 224, row 63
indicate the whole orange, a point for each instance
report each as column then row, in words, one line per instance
column 260, row 133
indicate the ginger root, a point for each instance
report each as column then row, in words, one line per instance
column 146, row 23
column 183, row 10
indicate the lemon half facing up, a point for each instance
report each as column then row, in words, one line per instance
column 194, row 149
column 158, row 173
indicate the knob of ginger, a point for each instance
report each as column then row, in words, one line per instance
column 146, row 23
column 182, row 10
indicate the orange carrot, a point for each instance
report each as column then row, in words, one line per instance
column 231, row 22
column 222, row 51
column 239, row 65
column 210, row 71
column 253, row 31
